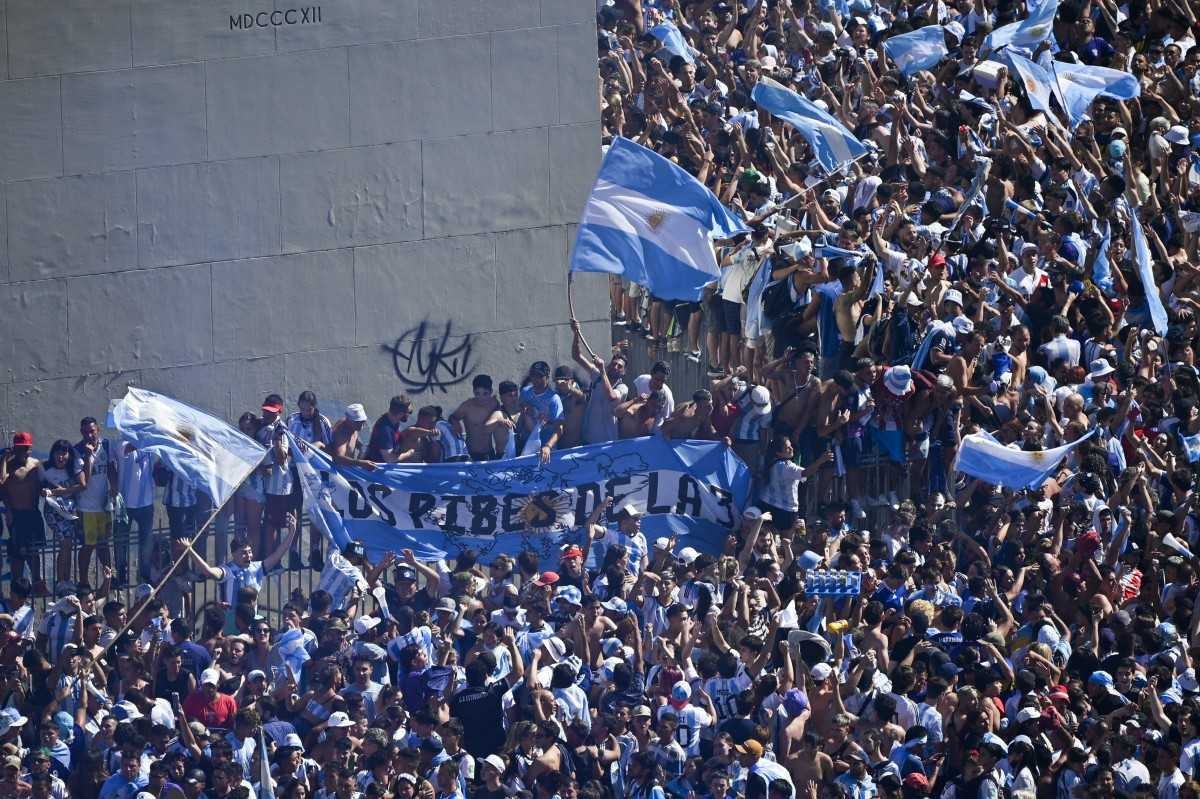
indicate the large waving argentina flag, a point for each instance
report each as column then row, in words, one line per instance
column 1025, row 34
column 981, row 455
column 918, row 50
column 652, row 223
column 205, row 451
column 832, row 144
column 693, row 489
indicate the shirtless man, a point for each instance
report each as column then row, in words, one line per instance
column 470, row 420
column 637, row 416
column 848, row 308
column 807, row 762
column 596, row 627
column 799, row 388
column 1018, row 351
column 502, row 424
column 574, row 402
column 344, row 438
column 692, row 419
column 21, row 486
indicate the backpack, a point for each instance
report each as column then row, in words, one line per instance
column 778, row 306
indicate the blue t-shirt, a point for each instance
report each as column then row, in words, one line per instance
column 827, row 319
column 548, row 407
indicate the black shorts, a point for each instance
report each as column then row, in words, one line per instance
column 731, row 317
column 28, row 533
column 782, row 520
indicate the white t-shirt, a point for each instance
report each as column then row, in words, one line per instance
column 94, row 498
column 641, row 385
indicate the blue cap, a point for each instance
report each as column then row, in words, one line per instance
column 1101, row 678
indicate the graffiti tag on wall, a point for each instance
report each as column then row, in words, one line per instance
column 429, row 361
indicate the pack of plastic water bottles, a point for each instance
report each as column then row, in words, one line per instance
column 832, row 582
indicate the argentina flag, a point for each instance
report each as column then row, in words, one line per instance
column 921, row 49
column 1027, row 33
column 652, row 223
column 1038, row 83
column 1145, row 269
column 833, row 145
column 318, row 481
column 206, row 452
column 980, row 455
column 672, row 41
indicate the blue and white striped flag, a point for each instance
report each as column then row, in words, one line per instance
column 980, row 455
column 318, row 483
column 201, row 449
column 832, row 144
column 918, row 50
column 755, row 325
column 1191, row 445
column 1026, row 33
column 652, row 223
column 1101, row 268
column 673, row 41
column 266, row 788
column 829, row 251
column 1038, row 83
column 1078, row 85
column 1145, row 268
column 935, row 327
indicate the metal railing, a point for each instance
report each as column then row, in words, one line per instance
column 275, row 592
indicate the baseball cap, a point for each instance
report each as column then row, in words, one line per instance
column 750, row 747
column 545, row 578
column 563, row 373
column 821, row 672
column 22, row 439
column 953, row 295
column 496, row 762
column 641, row 711
column 681, row 691
column 257, row 674
column 1028, row 714
column 663, row 543
column 540, row 368
column 555, row 646
column 406, row 572
column 364, row 624
column 273, row 403
column 572, row 552
column 210, row 677
column 339, row 719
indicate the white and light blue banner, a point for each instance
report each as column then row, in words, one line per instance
column 205, row 451
column 1145, row 270
column 1025, row 34
column 652, row 223
column 981, row 455
column 833, row 145
column 672, row 41
column 918, row 50
column 695, row 490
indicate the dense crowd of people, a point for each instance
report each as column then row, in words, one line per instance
column 977, row 271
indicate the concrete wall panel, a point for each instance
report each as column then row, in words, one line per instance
column 288, row 303
column 398, row 286
column 208, row 212
column 574, row 159
column 33, row 331
column 278, row 104
column 77, row 225
column 221, row 210
column 578, row 82
column 496, row 181
column 30, row 129
column 564, row 12
column 346, row 22
column 363, row 195
column 50, row 37
column 439, row 18
column 133, row 117
column 141, row 319
column 401, row 91
column 524, row 78
column 171, row 31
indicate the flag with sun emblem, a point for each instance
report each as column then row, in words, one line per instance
column 982, row 456
column 205, row 451
column 652, row 223
column 1025, row 34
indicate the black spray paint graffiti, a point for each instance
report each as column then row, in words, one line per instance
column 426, row 361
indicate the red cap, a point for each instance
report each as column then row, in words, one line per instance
column 545, row 578
column 273, row 407
column 937, row 258
column 572, row 552
column 1088, row 543
column 917, row 781
column 22, row 439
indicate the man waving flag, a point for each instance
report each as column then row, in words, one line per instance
column 652, row 223
column 832, row 144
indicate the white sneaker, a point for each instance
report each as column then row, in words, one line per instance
column 856, row 510
column 694, row 356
